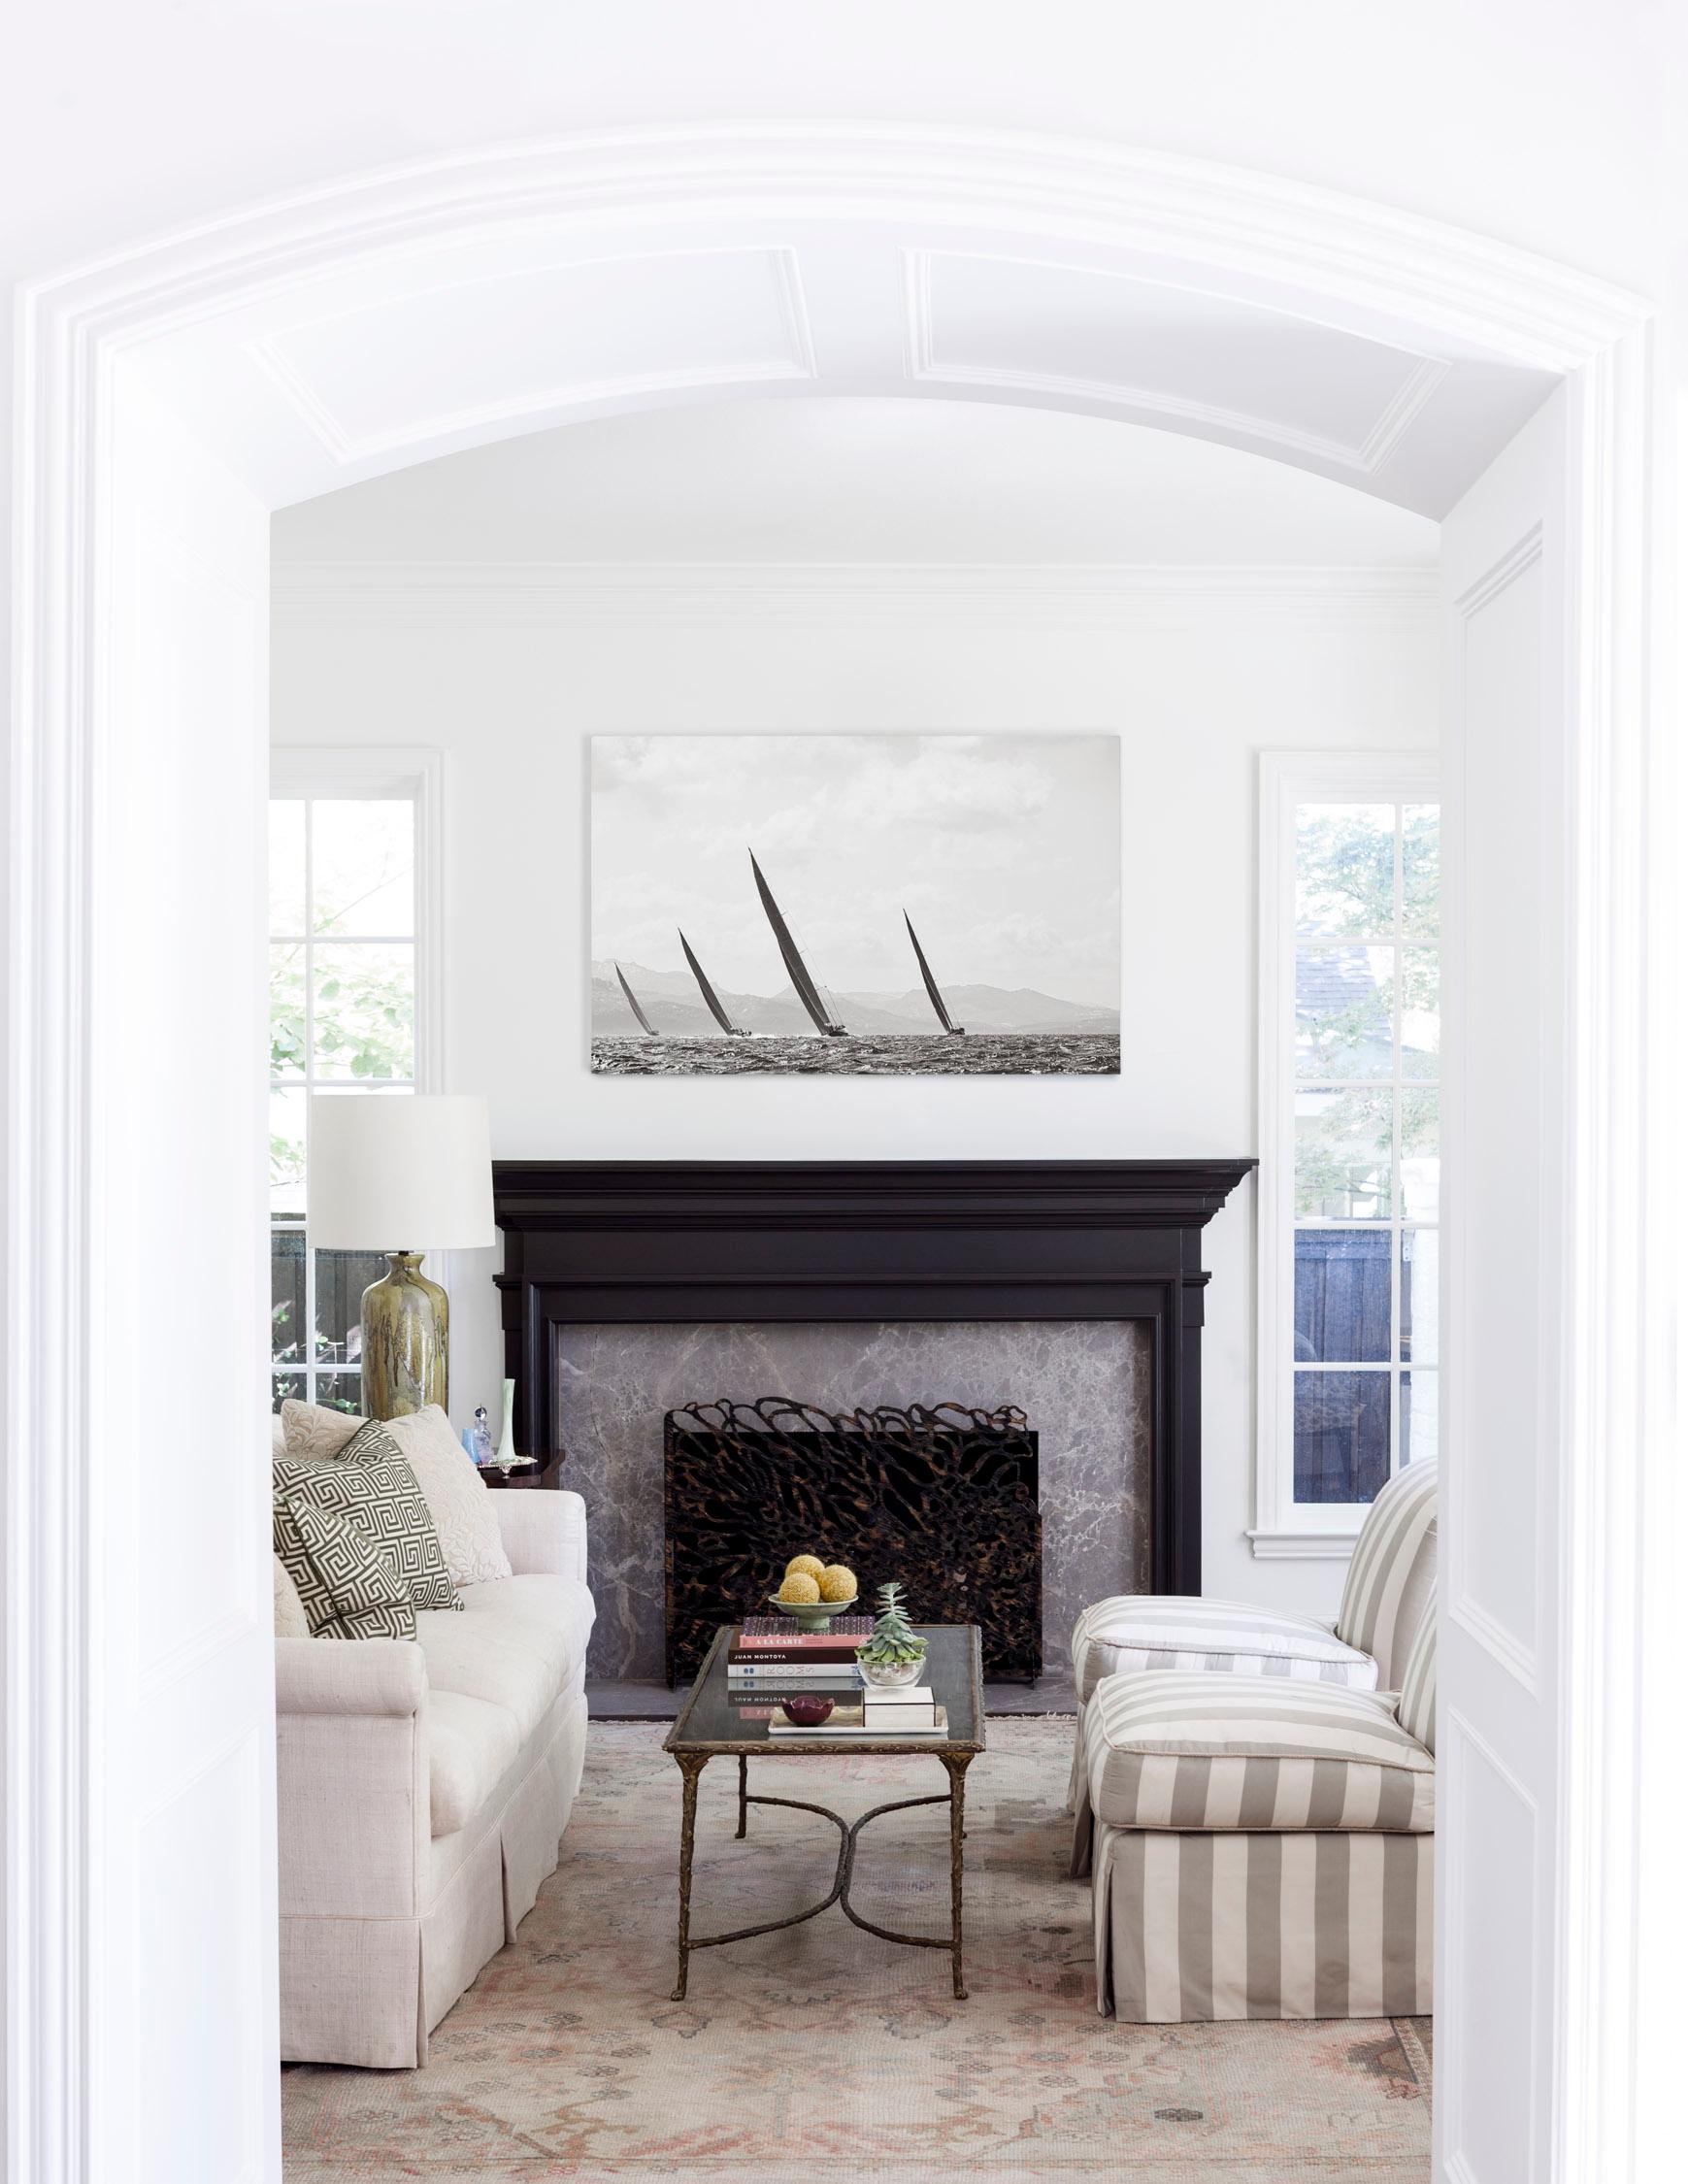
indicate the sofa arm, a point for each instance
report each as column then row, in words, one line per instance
column 544, row 1532
column 349, row 1676
column 352, row 1798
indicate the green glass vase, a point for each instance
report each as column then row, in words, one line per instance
column 404, row 1340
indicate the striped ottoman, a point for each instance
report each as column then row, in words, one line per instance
column 1261, row 1849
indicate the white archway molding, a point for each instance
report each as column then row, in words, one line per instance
column 670, row 266
column 1361, row 268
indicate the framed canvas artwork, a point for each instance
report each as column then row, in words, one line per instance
column 861, row 904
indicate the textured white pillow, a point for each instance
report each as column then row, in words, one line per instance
column 460, row 1504
column 291, row 1620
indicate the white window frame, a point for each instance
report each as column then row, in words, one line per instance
column 401, row 774
column 1285, row 1529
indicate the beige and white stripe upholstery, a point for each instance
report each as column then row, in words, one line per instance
column 1415, row 1708
column 1191, row 1928
column 1392, row 1572
column 1212, row 1754
column 1137, row 1631
column 1263, row 1850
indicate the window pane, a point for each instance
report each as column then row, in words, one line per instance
column 1344, row 870
column 1341, row 1296
column 1420, row 1295
column 365, row 1009
column 1420, row 870
column 288, row 1009
column 362, row 866
column 287, row 1155
column 287, row 1296
column 342, row 1277
column 285, row 1387
column 1341, row 1435
column 1344, row 1005
column 1420, row 1012
column 1418, row 1421
column 286, row 865
column 341, row 1391
column 1343, row 1154
column 1420, row 1155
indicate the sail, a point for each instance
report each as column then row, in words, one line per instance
column 707, row 991
column 644, row 1023
column 795, row 967
column 932, row 994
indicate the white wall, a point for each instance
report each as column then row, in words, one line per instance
column 1195, row 690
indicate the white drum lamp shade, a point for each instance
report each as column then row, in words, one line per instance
column 400, row 1171
column 404, row 1173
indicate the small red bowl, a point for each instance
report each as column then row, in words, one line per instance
column 806, row 1712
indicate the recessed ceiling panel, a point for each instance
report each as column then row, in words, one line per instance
column 482, row 350
column 1201, row 360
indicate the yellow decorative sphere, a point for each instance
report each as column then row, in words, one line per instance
column 805, row 1566
column 800, row 1588
column 838, row 1583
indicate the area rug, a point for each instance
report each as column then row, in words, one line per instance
column 823, row 2052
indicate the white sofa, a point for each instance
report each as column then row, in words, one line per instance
column 422, row 1792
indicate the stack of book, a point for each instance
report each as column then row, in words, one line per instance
column 770, row 1657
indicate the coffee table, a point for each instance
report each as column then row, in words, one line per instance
column 709, row 1727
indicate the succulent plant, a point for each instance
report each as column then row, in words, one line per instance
column 894, row 1639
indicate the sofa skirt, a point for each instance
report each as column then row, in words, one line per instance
column 369, row 1991
column 1193, row 1927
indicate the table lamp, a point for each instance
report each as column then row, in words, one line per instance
column 385, row 1167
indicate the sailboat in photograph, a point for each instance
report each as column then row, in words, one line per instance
column 796, row 970
column 954, row 1031
column 644, row 1023
column 711, row 997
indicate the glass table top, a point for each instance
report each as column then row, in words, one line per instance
column 717, row 1719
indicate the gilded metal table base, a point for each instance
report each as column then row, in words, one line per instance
column 692, row 1765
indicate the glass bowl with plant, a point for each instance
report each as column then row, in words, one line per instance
column 896, row 1653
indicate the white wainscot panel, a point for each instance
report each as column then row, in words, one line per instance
column 1503, row 1375
column 201, row 1957
column 1075, row 329
column 526, row 339
column 1486, row 2046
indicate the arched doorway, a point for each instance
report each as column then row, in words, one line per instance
column 175, row 396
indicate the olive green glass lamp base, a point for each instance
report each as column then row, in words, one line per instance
column 404, row 1341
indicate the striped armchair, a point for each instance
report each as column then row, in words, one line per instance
column 1389, row 1579
column 1262, row 1849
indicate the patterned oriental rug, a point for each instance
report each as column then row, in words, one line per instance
column 824, row 2052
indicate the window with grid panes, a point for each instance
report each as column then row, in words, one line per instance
column 343, row 1017
column 1365, row 1143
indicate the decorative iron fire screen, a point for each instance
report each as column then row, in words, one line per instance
column 941, row 1498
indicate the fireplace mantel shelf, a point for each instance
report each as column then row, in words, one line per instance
column 635, row 1241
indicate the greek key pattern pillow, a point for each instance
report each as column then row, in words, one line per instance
column 370, row 1482
column 347, row 1586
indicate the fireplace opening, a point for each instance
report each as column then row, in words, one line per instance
column 941, row 1498
column 1086, row 1386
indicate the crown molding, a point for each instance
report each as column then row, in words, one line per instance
column 583, row 595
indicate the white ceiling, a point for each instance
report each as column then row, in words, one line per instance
column 858, row 480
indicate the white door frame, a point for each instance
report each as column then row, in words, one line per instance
column 1332, row 258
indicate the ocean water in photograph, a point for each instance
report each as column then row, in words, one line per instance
column 870, row 1054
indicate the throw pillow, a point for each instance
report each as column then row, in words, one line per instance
column 291, row 1620
column 464, row 1513
column 314, row 1432
column 457, row 1499
column 348, row 1586
column 371, row 1483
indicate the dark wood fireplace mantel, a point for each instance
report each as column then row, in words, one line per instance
column 636, row 1242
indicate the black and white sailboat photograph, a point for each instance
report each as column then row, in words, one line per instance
column 855, row 905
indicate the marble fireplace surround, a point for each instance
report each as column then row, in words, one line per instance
column 630, row 1287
